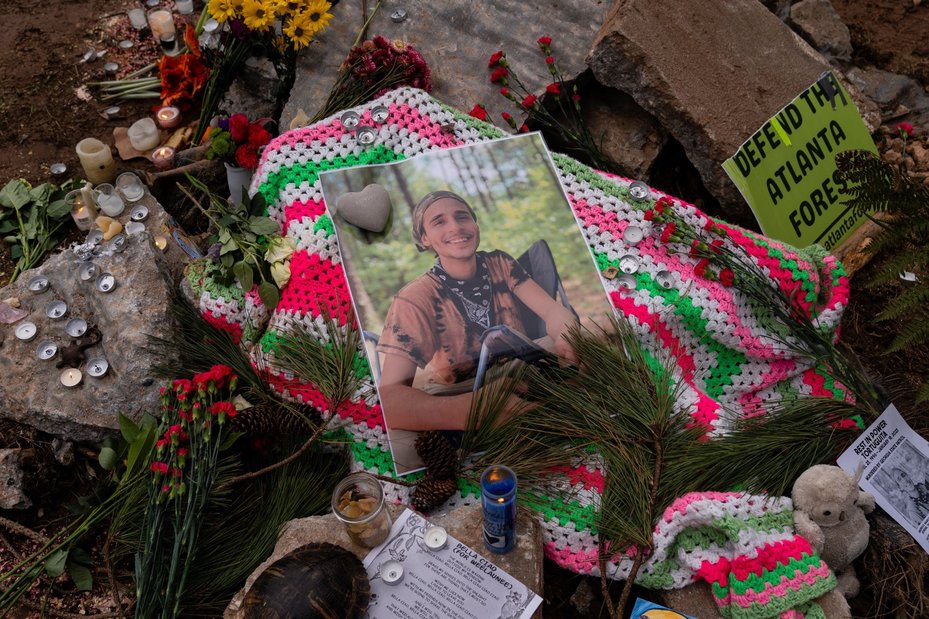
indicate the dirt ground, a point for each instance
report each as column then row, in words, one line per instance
column 44, row 112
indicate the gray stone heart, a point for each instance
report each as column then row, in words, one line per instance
column 368, row 209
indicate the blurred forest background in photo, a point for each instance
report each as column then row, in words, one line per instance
column 512, row 187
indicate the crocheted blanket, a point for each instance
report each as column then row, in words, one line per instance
column 726, row 358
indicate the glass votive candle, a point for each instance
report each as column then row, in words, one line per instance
column 184, row 7
column 83, row 212
column 130, row 186
column 108, row 200
column 161, row 21
column 169, row 44
column 163, row 157
column 498, row 500
column 168, row 117
column 143, row 135
column 137, row 19
column 358, row 503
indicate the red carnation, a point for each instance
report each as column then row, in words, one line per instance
column 694, row 248
column 904, row 128
column 505, row 91
column 478, row 112
column 495, row 58
column 238, row 127
column 159, row 467
column 246, row 157
column 667, row 232
column 553, row 88
column 727, row 277
column 549, row 60
column 576, row 98
column 506, row 116
column 700, row 269
column 545, row 40
column 499, row 74
column 524, row 128
column 709, row 226
column 716, row 246
column 649, row 215
column 257, row 135
column 529, row 101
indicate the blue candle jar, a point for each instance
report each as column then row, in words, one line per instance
column 498, row 498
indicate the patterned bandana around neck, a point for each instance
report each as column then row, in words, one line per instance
column 473, row 295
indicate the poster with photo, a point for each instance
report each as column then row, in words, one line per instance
column 481, row 261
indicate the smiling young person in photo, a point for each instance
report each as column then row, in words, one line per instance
column 437, row 320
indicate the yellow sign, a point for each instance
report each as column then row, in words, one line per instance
column 786, row 170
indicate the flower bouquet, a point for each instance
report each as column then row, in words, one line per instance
column 237, row 141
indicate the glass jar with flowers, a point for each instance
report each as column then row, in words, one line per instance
column 238, row 142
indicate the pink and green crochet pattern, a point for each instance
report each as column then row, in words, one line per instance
column 727, row 358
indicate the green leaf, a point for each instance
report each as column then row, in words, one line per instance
column 16, row 252
column 226, row 260
column 140, row 451
column 107, row 458
column 58, row 209
column 127, row 428
column 258, row 204
column 228, row 441
column 269, row 294
column 7, row 226
column 225, row 221
column 55, row 564
column 41, row 194
column 224, row 236
column 263, row 225
column 245, row 274
column 15, row 194
column 83, row 579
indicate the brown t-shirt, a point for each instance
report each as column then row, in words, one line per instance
column 425, row 325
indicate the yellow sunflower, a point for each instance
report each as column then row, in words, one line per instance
column 289, row 8
column 317, row 16
column 258, row 15
column 299, row 30
column 221, row 10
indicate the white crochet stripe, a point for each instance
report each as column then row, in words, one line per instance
column 322, row 243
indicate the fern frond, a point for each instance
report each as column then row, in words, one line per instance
column 910, row 303
column 913, row 333
column 890, row 270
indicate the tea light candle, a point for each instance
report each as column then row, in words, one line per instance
column 391, row 572
column 163, row 157
column 143, row 135
column 134, row 227
column 88, row 271
column 168, row 117
column 97, row 367
column 138, row 213
column 106, row 282
column 97, row 160
column 38, row 284
column 26, row 331
column 435, row 538
column 161, row 242
column 56, row 309
column 46, row 350
column 76, row 327
column 71, row 377
column 498, row 500
column 111, row 68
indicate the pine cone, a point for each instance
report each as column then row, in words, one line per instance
column 271, row 420
column 437, row 453
column 431, row 493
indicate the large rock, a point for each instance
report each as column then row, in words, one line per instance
column 138, row 308
column 626, row 134
column 820, row 24
column 711, row 77
column 456, row 37
column 524, row 563
column 12, row 495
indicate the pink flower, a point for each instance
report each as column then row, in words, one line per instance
column 478, row 112
column 904, row 128
column 495, row 58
